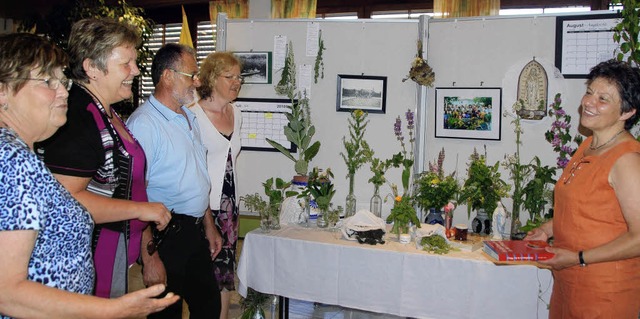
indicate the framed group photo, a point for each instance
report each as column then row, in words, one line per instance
column 469, row 113
column 367, row 93
column 256, row 67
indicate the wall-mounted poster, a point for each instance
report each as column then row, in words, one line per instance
column 471, row 113
column 360, row 92
column 262, row 119
column 256, row 67
column 584, row 41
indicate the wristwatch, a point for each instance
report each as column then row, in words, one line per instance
column 581, row 259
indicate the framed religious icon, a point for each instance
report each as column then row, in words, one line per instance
column 470, row 113
column 532, row 91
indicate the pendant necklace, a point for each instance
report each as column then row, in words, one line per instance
column 591, row 147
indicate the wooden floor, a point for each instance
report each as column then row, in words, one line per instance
column 298, row 309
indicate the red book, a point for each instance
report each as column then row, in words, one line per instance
column 517, row 250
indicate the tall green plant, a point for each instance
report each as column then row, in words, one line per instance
column 357, row 151
column 627, row 30
column 299, row 130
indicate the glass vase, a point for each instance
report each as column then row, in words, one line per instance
column 299, row 184
column 516, row 224
column 275, row 217
column 265, row 221
column 375, row 204
column 350, row 207
column 321, row 220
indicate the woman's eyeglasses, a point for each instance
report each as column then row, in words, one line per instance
column 238, row 78
column 193, row 76
column 52, row 83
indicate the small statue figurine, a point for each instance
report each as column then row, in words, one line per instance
column 499, row 222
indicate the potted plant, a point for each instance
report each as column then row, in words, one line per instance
column 276, row 192
column 299, row 129
column 483, row 188
column 357, row 152
column 378, row 168
column 434, row 189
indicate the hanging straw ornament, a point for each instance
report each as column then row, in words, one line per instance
column 420, row 71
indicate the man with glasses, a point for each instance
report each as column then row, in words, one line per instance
column 177, row 176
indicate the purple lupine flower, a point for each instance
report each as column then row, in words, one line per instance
column 409, row 116
column 562, row 162
column 567, row 149
column 397, row 129
column 561, row 112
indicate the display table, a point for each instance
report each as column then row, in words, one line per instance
column 318, row 265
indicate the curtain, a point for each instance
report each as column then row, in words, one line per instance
column 235, row 9
column 293, row 9
column 465, row 8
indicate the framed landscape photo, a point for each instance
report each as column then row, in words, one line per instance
column 256, row 67
column 470, row 113
column 367, row 93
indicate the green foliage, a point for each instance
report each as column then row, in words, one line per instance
column 321, row 187
column 378, row 168
column 626, row 32
column 356, row 148
column 483, row 187
column 318, row 68
column 299, row 129
column 433, row 188
column 402, row 214
column 253, row 304
column 277, row 192
column 435, row 244
column 538, row 190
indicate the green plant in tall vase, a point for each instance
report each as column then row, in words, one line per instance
column 483, row 187
column 356, row 154
column 299, row 130
column 537, row 193
column 378, row 168
column 626, row 32
column 255, row 203
column 321, row 188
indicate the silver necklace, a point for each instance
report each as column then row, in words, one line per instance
column 591, row 147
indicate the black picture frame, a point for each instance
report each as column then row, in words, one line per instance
column 468, row 113
column 361, row 92
column 256, row 66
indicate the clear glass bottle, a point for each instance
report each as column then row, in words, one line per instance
column 375, row 204
column 321, row 221
column 350, row 207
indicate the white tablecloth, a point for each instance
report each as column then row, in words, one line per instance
column 318, row 265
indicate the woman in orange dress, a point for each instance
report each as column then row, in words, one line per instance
column 596, row 224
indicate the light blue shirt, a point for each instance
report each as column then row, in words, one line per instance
column 176, row 157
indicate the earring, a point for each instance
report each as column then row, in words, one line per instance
column 5, row 106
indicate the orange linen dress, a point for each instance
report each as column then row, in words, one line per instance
column 587, row 215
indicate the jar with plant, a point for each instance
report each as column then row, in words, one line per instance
column 276, row 192
column 321, row 189
column 483, row 187
column 403, row 213
column 356, row 154
column 255, row 203
column 299, row 130
column 434, row 190
column 378, row 168
column 538, row 192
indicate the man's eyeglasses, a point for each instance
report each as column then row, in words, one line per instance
column 52, row 83
column 159, row 235
column 238, row 78
column 193, row 76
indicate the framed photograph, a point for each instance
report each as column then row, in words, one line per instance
column 262, row 119
column 256, row 67
column 367, row 93
column 471, row 113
